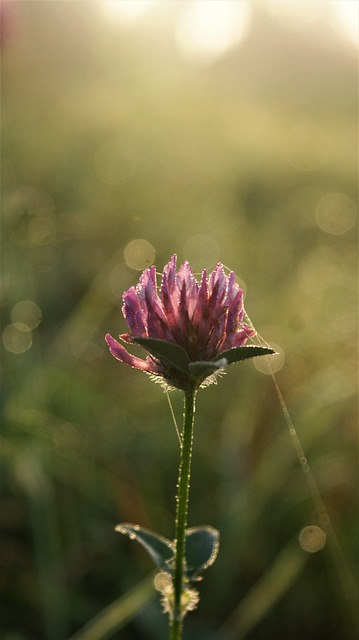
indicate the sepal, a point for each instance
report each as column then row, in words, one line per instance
column 242, row 353
column 168, row 352
column 206, row 368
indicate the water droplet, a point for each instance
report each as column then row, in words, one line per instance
column 292, row 431
column 136, row 527
column 163, row 582
column 312, row 539
column 132, row 536
column 120, row 529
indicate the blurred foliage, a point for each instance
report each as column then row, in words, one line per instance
column 111, row 136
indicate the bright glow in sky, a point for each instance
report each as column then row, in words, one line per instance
column 126, row 10
column 206, row 30
column 346, row 16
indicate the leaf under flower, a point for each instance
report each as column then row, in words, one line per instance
column 169, row 352
column 242, row 353
column 205, row 368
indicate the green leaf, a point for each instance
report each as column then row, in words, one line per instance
column 169, row 352
column 242, row 353
column 159, row 548
column 202, row 545
column 205, row 368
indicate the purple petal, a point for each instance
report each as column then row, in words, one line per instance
column 217, row 333
column 232, row 288
column 169, row 275
column 200, row 309
column 218, row 281
column 168, row 291
column 239, row 337
column 235, row 314
column 135, row 315
column 120, row 353
column 191, row 287
column 157, row 322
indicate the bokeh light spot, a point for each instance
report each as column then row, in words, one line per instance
column 336, row 213
column 309, row 147
column 312, row 539
column 26, row 312
column 207, row 30
column 115, row 163
column 270, row 364
column 201, row 251
column 346, row 16
column 17, row 338
column 139, row 254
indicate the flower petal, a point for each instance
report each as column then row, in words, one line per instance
column 135, row 315
column 169, row 293
column 119, row 352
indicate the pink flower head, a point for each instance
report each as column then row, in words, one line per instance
column 190, row 329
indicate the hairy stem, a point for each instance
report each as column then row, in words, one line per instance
column 176, row 624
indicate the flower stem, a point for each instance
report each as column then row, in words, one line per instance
column 176, row 624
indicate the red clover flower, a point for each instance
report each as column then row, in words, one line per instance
column 190, row 329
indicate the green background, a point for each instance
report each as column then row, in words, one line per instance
column 111, row 135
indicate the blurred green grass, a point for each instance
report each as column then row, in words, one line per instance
column 110, row 136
